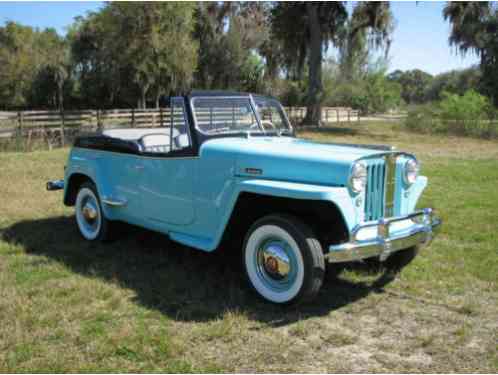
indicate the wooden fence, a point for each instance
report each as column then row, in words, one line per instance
column 329, row 114
column 59, row 127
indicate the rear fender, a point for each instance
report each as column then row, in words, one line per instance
column 83, row 164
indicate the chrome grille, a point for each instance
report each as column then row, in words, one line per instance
column 381, row 187
column 374, row 192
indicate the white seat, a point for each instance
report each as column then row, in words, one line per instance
column 181, row 141
column 156, row 143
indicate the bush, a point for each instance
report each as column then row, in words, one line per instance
column 466, row 114
column 422, row 119
column 469, row 114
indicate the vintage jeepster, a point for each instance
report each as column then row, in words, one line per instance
column 226, row 168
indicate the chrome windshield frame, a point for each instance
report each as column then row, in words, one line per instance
column 281, row 108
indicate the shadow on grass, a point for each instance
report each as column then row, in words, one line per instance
column 183, row 283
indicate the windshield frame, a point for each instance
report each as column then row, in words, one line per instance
column 232, row 132
column 281, row 109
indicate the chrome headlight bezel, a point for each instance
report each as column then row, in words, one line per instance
column 411, row 170
column 358, row 177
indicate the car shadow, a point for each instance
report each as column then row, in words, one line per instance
column 183, row 283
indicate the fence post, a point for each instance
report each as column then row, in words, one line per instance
column 161, row 119
column 62, row 127
column 99, row 120
column 349, row 116
column 337, row 113
column 19, row 130
column 153, row 119
column 133, row 117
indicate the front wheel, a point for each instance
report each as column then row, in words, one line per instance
column 283, row 259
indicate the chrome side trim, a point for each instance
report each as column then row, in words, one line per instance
column 425, row 227
column 55, row 185
column 114, row 202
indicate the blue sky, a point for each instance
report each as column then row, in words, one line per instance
column 420, row 39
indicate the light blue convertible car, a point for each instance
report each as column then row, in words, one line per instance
column 227, row 169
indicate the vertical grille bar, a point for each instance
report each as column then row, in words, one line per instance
column 390, row 183
column 369, row 193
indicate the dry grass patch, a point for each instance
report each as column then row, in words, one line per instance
column 143, row 304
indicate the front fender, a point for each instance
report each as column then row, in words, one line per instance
column 337, row 195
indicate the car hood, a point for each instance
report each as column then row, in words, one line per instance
column 290, row 159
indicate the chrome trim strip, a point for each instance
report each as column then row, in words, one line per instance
column 114, row 202
column 421, row 233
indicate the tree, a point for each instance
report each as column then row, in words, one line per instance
column 35, row 67
column 19, row 63
column 474, row 28
column 455, row 82
column 307, row 28
column 126, row 50
column 229, row 34
column 414, row 84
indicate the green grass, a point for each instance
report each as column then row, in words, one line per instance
column 143, row 304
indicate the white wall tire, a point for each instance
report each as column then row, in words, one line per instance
column 89, row 216
column 283, row 260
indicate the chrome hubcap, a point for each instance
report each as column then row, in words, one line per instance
column 89, row 212
column 276, row 264
column 275, row 261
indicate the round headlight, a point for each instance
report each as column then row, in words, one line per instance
column 358, row 178
column 411, row 171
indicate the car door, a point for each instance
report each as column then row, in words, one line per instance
column 168, row 171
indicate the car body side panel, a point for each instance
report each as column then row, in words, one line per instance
column 166, row 188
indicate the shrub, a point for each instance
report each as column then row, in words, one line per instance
column 469, row 114
column 465, row 114
column 422, row 119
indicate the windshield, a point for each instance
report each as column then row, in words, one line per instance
column 271, row 114
column 234, row 115
column 224, row 115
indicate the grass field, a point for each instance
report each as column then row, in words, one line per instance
column 145, row 304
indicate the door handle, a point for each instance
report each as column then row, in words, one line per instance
column 139, row 167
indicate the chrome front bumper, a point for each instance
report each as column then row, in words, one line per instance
column 386, row 236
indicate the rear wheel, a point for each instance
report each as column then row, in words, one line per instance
column 91, row 221
column 283, row 260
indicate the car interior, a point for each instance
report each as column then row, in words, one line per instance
column 152, row 139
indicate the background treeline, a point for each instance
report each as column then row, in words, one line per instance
column 309, row 54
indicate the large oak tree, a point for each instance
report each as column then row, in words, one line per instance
column 307, row 29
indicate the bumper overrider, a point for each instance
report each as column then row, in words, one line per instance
column 386, row 236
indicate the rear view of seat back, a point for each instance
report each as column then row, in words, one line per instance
column 155, row 143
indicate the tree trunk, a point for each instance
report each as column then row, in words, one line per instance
column 315, row 88
column 143, row 96
column 60, row 93
column 158, row 96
